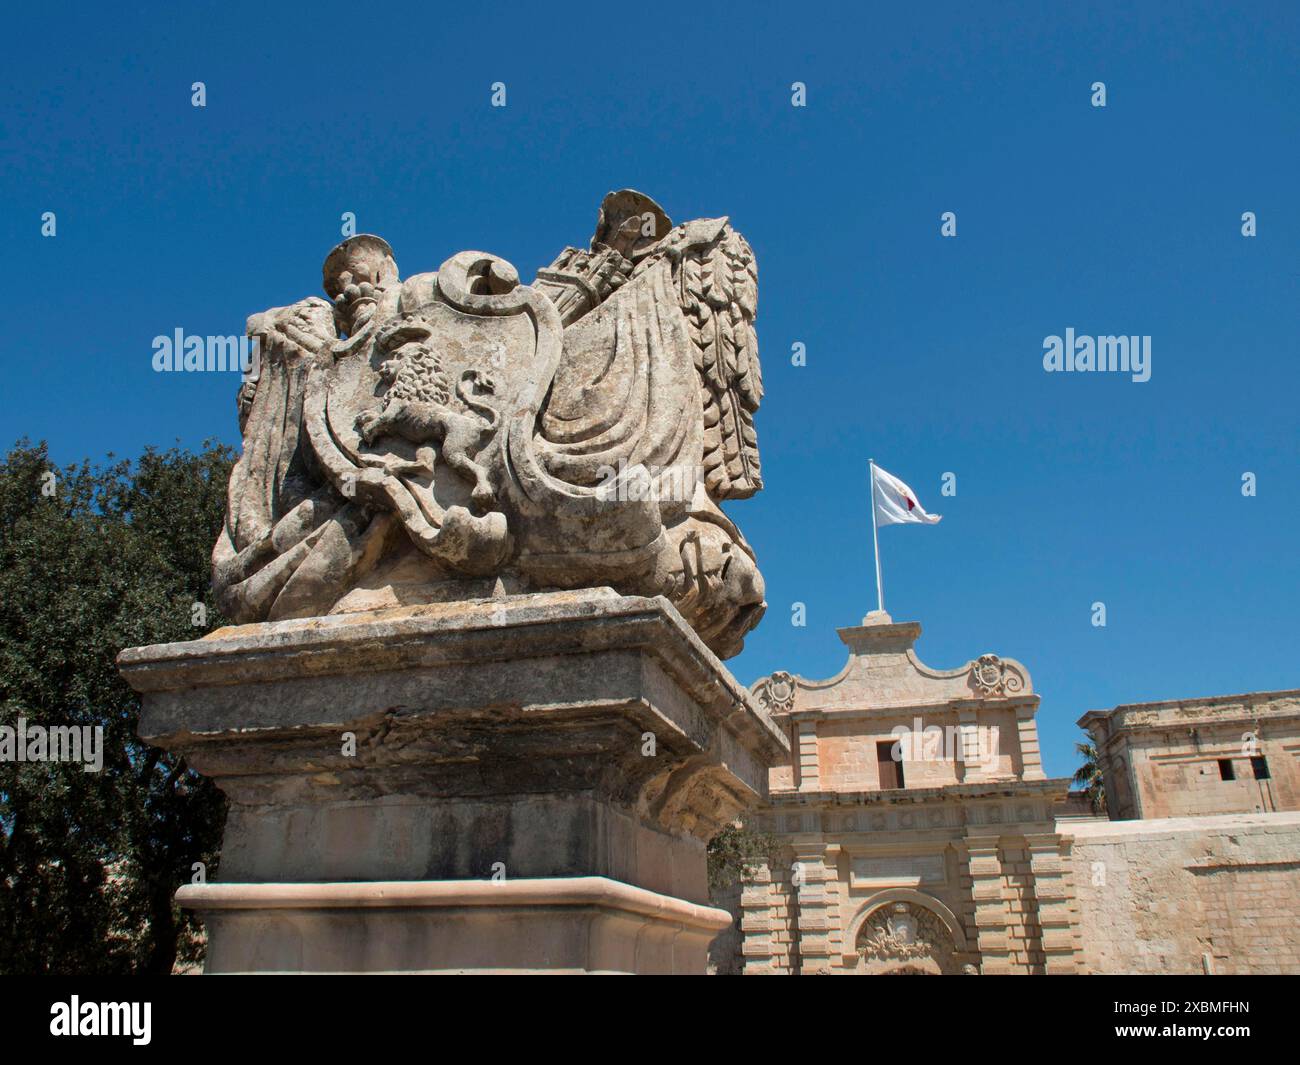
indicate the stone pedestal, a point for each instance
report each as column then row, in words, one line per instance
column 520, row 784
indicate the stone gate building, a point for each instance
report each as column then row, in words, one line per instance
column 920, row 824
column 918, row 833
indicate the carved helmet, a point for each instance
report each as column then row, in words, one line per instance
column 364, row 257
column 617, row 207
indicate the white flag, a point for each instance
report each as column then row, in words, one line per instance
column 895, row 503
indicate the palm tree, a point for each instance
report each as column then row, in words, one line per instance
column 1089, row 775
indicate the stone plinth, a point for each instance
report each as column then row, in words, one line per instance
column 584, row 924
column 512, row 784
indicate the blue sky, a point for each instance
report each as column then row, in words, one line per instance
column 923, row 352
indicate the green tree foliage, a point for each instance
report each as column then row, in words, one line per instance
column 1089, row 775
column 100, row 558
column 734, row 850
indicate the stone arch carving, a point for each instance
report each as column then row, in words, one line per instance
column 904, row 931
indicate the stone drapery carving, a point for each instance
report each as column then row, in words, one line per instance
column 461, row 435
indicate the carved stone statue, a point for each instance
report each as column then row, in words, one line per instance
column 460, row 435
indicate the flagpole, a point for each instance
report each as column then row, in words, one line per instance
column 875, row 539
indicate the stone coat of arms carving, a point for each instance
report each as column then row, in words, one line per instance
column 901, row 933
column 995, row 676
column 459, row 434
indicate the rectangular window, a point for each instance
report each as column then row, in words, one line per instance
column 891, row 770
column 1226, row 772
column 1260, row 765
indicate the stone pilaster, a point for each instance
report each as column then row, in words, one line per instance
column 835, row 893
column 1023, row 934
column 1058, row 916
column 1030, row 755
column 806, row 755
column 759, row 916
column 813, row 909
column 785, row 919
column 973, row 769
column 991, row 913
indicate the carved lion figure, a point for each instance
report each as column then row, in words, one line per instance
column 416, row 408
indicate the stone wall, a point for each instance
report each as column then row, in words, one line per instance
column 1226, row 754
column 847, row 758
column 725, row 957
column 1158, row 896
column 1185, row 787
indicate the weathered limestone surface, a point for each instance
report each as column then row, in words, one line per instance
column 1190, row 894
column 458, row 434
column 473, row 716
column 578, row 925
column 581, row 747
column 1167, row 759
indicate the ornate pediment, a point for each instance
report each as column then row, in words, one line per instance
column 883, row 670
